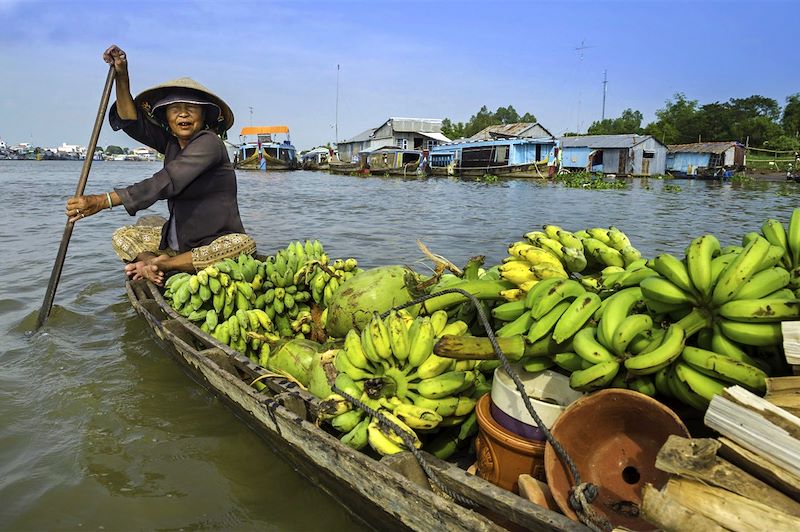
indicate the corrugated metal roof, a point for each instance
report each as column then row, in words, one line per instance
column 361, row 137
column 435, row 136
column 702, row 147
column 517, row 129
column 603, row 141
column 420, row 125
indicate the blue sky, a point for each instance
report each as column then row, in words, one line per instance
column 432, row 58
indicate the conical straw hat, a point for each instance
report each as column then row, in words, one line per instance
column 148, row 99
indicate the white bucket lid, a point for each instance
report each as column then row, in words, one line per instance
column 548, row 391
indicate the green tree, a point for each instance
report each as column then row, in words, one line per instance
column 114, row 150
column 791, row 115
column 629, row 122
column 674, row 121
column 482, row 119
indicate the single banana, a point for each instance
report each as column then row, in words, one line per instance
column 417, row 417
column 723, row 345
column 764, row 283
column 433, row 366
column 585, row 344
column 368, row 348
column 575, row 317
column 724, row 368
column 358, row 437
column 392, row 433
column 565, row 289
column 449, row 383
column 703, row 385
column 773, row 257
column 380, row 336
column 761, row 310
column 541, row 288
column 756, row 334
column 508, row 312
column 793, row 237
column 740, row 270
column 355, row 352
column 439, row 321
column 675, row 271
column 643, row 384
column 568, row 361
column 627, row 330
column 615, row 309
column 630, row 255
column 420, row 341
column 552, row 245
column 617, row 239
column 664, row 291
column 518, row 326
column 594, row 377
column 398, row 336
column 681, row 390
column 456, row 328
column 568, row 239
column 573, row 258
column 698, row 263
column 544, row 325
column 343, row 364
column 537, row 364
column 380, row 441
column 445, row 407
column 551, row 230
column 633, row 277
column 600, row 234
column 663, row 355
column 347, row 421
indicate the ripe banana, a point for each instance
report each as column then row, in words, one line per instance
column 433, row 366
column 445, row 407
column 569, row 239
column 420, row 341
column 663, row 355
column 449, row 383
column 398, row 336
column 417, row 417
column 379, row 441
column 379, row 335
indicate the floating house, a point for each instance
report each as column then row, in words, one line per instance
column 637, row 155
column 503, row 150
column 705, row 159
column 404, row 133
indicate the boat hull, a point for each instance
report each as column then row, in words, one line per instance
column 373, row 491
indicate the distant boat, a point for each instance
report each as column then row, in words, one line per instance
column 393, row 160
column 316, row 159
column 509, row 157
column 260, row 150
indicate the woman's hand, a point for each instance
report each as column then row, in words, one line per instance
column 79, row 207
column 114, row 55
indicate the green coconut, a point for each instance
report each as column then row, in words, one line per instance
column 377, row 289
column 295, row 358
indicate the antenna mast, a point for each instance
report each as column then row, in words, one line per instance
column 580, row 50
column 605, row 86
column 337, row 107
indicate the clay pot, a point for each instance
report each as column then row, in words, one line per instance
column 502, row 455
column 613, row 436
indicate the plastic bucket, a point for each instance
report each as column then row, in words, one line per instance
column 502, row 455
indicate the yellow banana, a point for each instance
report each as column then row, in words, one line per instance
column 439, row 321
column 367, row 347
column 420, row 341
column 379, row 335
column 568, row 239
column 417, row 417
column 600, row 234
column 380, row 441
column 456, row 328
column 355, row 352
column 449, row 383
column 446, row 406
column 398, row 336
column 433, row 366
column 551, row 230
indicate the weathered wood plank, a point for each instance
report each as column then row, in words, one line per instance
column 730, row 510
column 664, row 511
column 697, row 459
column 760, row 468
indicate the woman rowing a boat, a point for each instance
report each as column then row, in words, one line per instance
column 182, row 120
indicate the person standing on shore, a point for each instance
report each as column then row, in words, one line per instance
column 182, row 120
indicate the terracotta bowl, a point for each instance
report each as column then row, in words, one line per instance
column 613, row 436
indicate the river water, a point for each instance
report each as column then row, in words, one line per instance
column 101, row 430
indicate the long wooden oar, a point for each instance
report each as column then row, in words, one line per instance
column 87, row 165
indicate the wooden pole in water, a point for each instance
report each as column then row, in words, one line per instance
column 47, row 304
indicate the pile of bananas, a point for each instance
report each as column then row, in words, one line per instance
column 249, row 304
column 677, row 327
column 557, row 252
column 391, row 368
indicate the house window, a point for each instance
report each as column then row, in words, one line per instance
column 648, row 154
column 403, row 143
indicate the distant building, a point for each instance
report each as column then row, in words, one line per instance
column 640, row 155
column 405, row 133
column 517, row 130
column 144, row 153
column 705, row 159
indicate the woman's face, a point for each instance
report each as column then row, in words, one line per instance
column 185, row 119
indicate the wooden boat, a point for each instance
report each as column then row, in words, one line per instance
column 510, row 157
column 387, row 494
column 339, row 167
column 316, row 159
column 265, row 152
